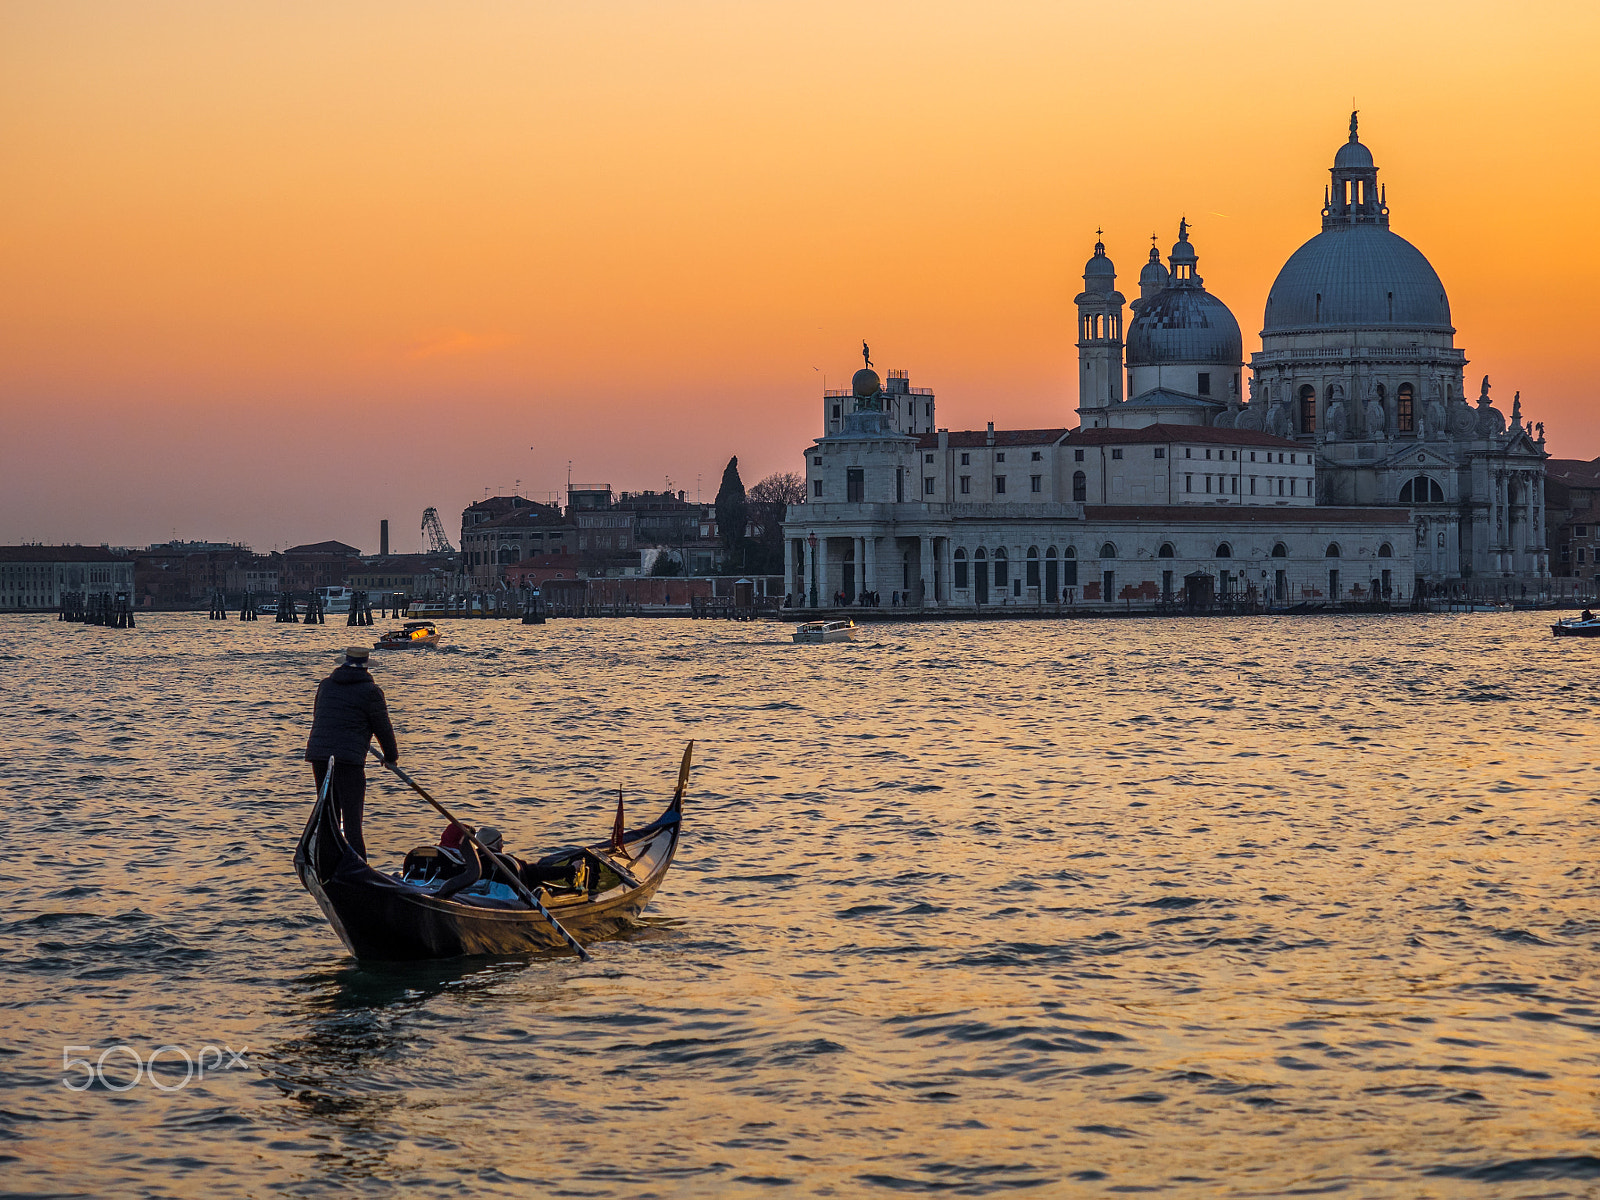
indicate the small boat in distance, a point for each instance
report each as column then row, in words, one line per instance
column 1468, row 606
column 412, row 633
column 1584, row 626
column 826, row 631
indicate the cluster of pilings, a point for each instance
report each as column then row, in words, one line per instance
column 247, row 607
column 100, row 608
column 360, row 609
column 219, row 605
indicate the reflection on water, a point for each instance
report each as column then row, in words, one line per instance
column 1204, row 907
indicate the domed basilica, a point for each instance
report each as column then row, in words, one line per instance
column 1346, row 465
column 1358, row 362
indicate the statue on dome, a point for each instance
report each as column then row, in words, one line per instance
column 1353, row 116
column 865, row 353
column 1516, row 410
column 1489, row 420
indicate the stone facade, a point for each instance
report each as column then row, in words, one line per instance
column 33, row 578
column 1108, row 517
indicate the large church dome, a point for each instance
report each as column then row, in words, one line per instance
column 1356, row 273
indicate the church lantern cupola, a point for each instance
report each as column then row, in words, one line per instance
column 1099, row 337
column 1354, row 197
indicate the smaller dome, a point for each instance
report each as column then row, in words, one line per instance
column 1154, row 275
column 1099, row 267
column 866, row 383
column 1353, row 156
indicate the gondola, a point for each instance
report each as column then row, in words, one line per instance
column 592, row 890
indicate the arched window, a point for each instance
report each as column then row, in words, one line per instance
column 1070, row 552
column 1332, row 551
column 1001, row 567
column 1386, row 551
column 961, row 568
column 1108, row 551
column 979, row 555
column 507, row 555
column 1280, row 551
column 1404, row 419
column 1080, row 486
column 1166, row 551
column 1308, row 409
column 1421, row 490
column 1050, row 553
column 1033, row 567
column 1224, row 550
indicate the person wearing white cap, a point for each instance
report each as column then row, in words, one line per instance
column 350, row 711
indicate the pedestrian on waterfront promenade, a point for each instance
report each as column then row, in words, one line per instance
column 349, row 712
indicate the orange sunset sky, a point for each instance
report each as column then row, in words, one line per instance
column 271, row 272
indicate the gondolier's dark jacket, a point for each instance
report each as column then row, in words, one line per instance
column 350, row 712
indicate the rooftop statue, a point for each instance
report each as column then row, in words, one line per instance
column 1483, row 393
column 1516, row 408
column 866, row 354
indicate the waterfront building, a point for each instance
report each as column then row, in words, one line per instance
column 1105, row 515
column 1572, row 516
column 418, row 576
column 504, row 530
column 33, row 578
column 1356, row 402
column 317, row 565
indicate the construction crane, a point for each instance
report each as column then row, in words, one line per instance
column 433, row 528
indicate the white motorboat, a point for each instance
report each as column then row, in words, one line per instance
column 335, row 599
column 1468, row 606
column 826, row 631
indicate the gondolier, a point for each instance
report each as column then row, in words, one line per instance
column 350, row 711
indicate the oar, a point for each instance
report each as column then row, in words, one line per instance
column 510, row 876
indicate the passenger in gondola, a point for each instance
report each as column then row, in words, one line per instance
column 475, row 866
column 1587, row 615
column 350, row 710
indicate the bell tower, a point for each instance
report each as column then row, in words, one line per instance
column 1099, row 339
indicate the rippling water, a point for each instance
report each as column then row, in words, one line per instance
column 1214, row 908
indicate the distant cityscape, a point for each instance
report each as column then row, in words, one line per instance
column 506, row 543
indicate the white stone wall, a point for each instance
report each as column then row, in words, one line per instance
column 865, row 548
